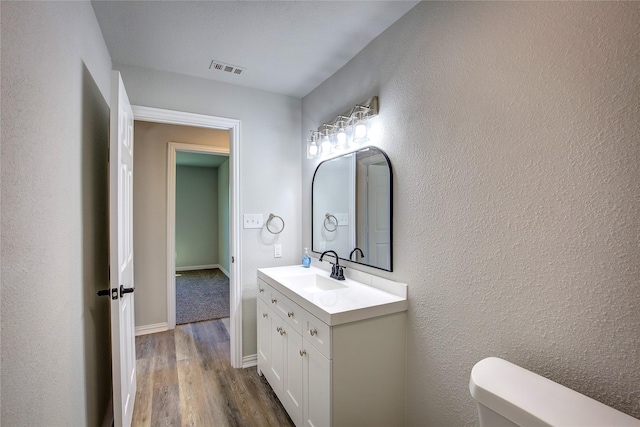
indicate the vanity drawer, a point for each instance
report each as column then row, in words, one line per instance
column 264, row 291
column 291, row 312
column 318, row 334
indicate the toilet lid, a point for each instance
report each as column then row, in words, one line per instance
column 527, row 398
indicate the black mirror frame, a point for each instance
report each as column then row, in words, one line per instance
column 390, row 206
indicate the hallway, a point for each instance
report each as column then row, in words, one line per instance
column 185, row 379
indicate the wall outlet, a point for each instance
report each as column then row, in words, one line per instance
column 252, row 220
column 277, row 251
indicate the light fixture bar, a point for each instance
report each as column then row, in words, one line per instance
column 357, row 116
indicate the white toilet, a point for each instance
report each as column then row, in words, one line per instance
column 508, row 395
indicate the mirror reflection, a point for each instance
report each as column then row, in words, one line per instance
column 352, row 206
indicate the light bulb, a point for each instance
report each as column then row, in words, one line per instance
column 326, row 146
column 313, row 149
column 342, row 138
column 361, row 130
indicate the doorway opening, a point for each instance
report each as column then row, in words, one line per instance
column 202, row 236
column 156, row 115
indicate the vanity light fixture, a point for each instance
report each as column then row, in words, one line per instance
column 346, row 129
column 312, row 144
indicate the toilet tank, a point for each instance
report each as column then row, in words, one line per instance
column 508, row 395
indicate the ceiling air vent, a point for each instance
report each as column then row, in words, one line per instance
column 221, row 66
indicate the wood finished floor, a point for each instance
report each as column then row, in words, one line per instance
column 185, row 379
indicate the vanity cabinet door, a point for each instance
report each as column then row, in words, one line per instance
column 278, row 354
column 292, row 397
column 264, row 337
column 317, row 387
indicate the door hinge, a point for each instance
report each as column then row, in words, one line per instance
column 233, row 260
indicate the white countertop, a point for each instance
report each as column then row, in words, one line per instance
column 355, row 301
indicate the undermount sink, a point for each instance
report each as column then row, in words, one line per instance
column 314, row 283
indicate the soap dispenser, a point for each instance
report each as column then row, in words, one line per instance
column 306, row 259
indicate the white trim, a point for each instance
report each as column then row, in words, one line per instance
column 158, row 115
column 198, row 267
column 226, row 273
column 151, row 329
column 204, row 267
column 250, row 361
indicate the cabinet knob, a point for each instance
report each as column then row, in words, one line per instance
column 303, row 352
column 273, row 300
column 265, row 315
column 290, row 314
column 282, row 331
column 261, row 290
column 279, row 329
column 313, row 332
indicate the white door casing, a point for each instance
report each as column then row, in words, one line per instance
column 158, row 115
column 123, row 351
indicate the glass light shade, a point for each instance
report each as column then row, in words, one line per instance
column 360, row 127
column 312, row 150
column 312, row 146
column 341, row 138
column 361, row 130
column 326, row 146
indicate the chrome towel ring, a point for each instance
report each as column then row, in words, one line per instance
column 271, row 217
column 327, row 221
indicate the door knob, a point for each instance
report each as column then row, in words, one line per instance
column 124, row 290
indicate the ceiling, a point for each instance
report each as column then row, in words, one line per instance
column 286, row 47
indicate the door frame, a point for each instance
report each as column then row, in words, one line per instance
column 158, row 115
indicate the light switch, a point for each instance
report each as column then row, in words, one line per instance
column 252, row 220
column 277, row 250
column 343, row 218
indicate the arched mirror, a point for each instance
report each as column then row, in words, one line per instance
column 351, row 208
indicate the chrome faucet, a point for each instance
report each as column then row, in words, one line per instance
column 353, row 251
column 337, row 271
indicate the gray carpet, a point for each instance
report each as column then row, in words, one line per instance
column 201, row 295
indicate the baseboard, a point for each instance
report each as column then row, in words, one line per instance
column 204, row 267
column 152, row 329
column 198, row 267
column 249, row 361
column 226, row 273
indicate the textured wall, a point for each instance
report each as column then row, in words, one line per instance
column 514, row 135
column 196, row 216
column 55, row 117
column 150, row 210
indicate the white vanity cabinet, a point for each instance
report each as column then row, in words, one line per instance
column 351, row 373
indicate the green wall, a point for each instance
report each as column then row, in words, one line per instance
column 196, row 216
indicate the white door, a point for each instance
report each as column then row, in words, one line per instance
column 123, row 349
column 378, row 208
